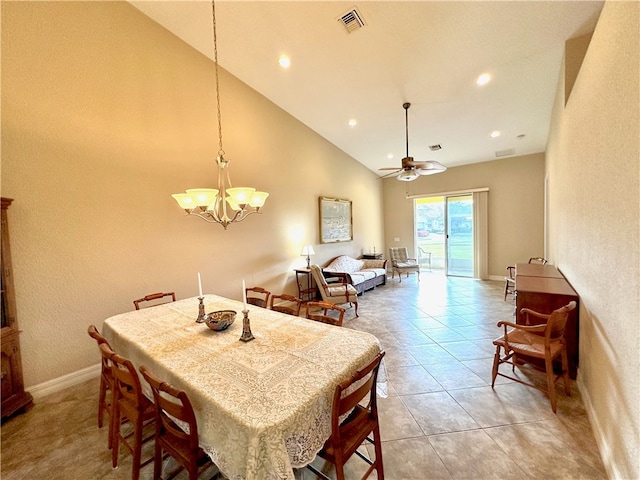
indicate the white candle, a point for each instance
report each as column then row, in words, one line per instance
column 244, row 295
column 199, row 285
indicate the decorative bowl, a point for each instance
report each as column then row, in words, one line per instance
column 220, row 320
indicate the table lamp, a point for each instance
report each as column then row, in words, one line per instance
column 307, row 250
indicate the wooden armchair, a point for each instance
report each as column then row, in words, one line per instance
column 347, row 436
column 258, row 296
column 539, row 260
column 510, row 282
column 324, row 316
column 401, row 263
column 336, row 292
column 535, row 344
column 173, row 404
column 286, row 304
column 129, row 403
column 106, row 378
column 154, row 299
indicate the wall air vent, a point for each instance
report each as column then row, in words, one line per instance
column 505, row 153
column 352, row 20
column 435, row 148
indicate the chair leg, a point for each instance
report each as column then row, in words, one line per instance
column 157, row 461
column 565, row 373
column 496, row 362
column 378, row 449
column 101, row 401
column 137, row 450
column 551, row 384
column 506, row 290
column 115, row 434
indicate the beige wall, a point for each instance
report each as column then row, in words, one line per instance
column 593, row 169
column 104, row 115
column 516, row 206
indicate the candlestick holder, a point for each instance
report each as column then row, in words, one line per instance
column 201, row 315
column 246, row 328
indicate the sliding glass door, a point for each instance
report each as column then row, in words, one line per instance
column 444, row 234
column 459, row 237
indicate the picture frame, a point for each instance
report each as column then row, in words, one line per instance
column 336, row 220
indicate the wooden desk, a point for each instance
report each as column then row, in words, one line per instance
column 263, row 406
column 545, row 294
column 537, row 270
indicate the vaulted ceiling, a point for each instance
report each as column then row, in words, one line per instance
column 426, row 53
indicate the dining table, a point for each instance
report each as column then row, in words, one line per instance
column 262, row 407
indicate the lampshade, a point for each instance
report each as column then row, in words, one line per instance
column 307, row 250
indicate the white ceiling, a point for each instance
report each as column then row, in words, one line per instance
column 425, row 53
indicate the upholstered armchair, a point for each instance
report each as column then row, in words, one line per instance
column 335, row 292
column 401, row 263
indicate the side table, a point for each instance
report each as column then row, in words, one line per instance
column 306, row 289
column 372, row 256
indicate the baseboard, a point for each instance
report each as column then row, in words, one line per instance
column 57, row 384
column 598, row 432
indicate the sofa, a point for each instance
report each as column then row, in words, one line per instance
column 362, row 274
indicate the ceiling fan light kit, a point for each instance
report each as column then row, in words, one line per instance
column 411, row 169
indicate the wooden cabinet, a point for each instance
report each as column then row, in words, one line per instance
column 545, row 290
column 14, row 398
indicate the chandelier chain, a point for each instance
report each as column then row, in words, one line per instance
column 215, row 59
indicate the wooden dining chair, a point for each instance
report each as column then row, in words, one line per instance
column 154, row 299
column 327, row 313
column 105, row 395
column 538, row 260
column 347, row 435
column 287, row 304
column 258, row 296
column 510, row 281
column 129, row 403
column 173, row 405
column 535, row 344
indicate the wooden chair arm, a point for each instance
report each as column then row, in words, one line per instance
column 527, row 328
column 343, row 277
column 527, row 311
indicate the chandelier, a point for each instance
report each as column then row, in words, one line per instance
column 224, row 205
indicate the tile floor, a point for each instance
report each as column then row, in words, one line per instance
column 441, row 419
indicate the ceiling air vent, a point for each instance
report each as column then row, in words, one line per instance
column 352, row 20
column 505, row 153
column 435, row 148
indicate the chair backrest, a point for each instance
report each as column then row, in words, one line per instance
column 126, row 382
column 290, row 307
column 511, row 272
column 258, row 296
column 171, row 403
column 556, row 321
column 318, row 276
column 106, row 352
column 351, row 392
column 325, row 317
column 95, row 334
column 539, row 260
column 154, row 299
column 398, row 254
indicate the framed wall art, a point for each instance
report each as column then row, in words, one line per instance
column 336, row 222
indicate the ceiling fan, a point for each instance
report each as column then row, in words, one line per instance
column 410, row 169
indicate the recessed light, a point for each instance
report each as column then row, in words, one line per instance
column 390, row 156
column 495, row 134
column 284, row 61
column 353, row 122
column 483, row 79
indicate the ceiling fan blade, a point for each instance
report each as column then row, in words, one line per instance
column 430, row 167
column 391, row 168
column 389, row 174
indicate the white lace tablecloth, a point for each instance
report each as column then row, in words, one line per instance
column 262, row 407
